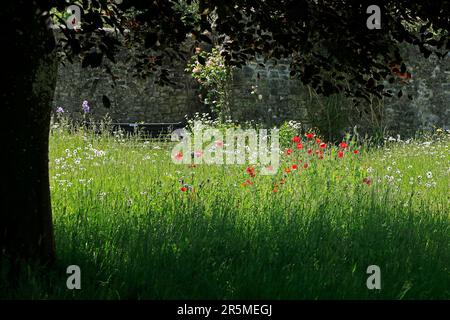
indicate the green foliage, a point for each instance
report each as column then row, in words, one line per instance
column 214, row 77
column 189, row 10
column 288, row 130
column 330, row 115
column 59, row 16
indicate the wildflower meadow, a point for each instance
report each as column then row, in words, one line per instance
column 141, row 226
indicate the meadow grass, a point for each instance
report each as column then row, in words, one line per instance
column 120, row 214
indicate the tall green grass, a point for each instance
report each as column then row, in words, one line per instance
column 120, row 214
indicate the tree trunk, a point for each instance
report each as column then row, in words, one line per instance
column 29, row 79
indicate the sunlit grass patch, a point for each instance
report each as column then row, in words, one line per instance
column 140, row 226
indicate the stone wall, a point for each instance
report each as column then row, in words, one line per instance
column 132, row 99
column 277, row 97
column 258, row 93
column 267, row 94
column 261, row 93
column 430, row 89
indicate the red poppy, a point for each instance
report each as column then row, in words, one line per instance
column 296, row 139
column 299, row 146
column 287, row 170
column 310, row 135
column 340, row 154
column 179, row 156
column 184, row 189
column 318, row 141
column 323, row 145
column 305, row 166
column 251, row 171
column 356, row 151
column 246, row 183
column 309, row 151
column 288, row 151
column 343, row 145
column 294, row 167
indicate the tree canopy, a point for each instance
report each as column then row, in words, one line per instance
column 328, row 42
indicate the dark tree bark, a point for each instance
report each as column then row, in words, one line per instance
column 29, row 78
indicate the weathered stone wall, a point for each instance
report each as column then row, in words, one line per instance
column 267, row 94
column 277, row 97
column 261, row 93
column 430, row 89
column 132, row 99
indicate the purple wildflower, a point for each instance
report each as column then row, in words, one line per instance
column 60, row 110
column 86, row 106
